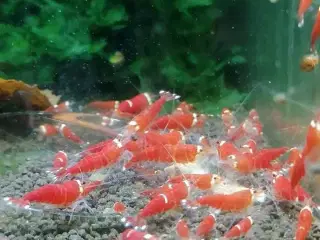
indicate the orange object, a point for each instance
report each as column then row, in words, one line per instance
column 182, row 229
column 119, row 207
column 206, row 225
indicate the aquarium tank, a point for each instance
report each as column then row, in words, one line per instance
column 139, row 120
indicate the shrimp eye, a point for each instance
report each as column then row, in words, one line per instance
column 215, row 178
column 254, row 191
column 199, row 149
column 134, row 138
column 264, row 188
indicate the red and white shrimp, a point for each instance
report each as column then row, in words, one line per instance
column 67, row 133
column 311, row 150
column 297, row 170
column 60, row 161
column 304, row 223
column 140, row 122
column 249, row 147
column 282, row 188
column 182, row 229
column 180, row 153
column 179, row 121
column 247, row 162
column 167, row 200
column 226, row 149
column 304, row 5
column 201, row 181
column 106, row 157
column 234, row 202
column 315, row 33
column 104, row 105
column 136, row 104
column 227, row 117
column 183, row 107
column 97, row 147
column 206, row 226
column 240, row 229
column 248, row 128
column 48, row 130
column 152, row 138
column 254, row 115
column 59, row 195
column 132, row 234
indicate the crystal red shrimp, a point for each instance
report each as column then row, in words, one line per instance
column 168, row 200
column 234, row 202
column 282, row 188
column 206, row 225
column 315, row 32
column 297, row 170
column 201, row 181
column 69, row 134
column 93, row 162
column 184, row 107
column 178, row 121
column 180, row 153
column 140, row 122
column 62, row 107
column 60, row 161
column 312, row 146
column 227, row 117
column 304, row 223
column 157, row 191
column 132, row 234
column 247, row 128
column 246, row 162
column 136, row 104
column 270, row 154
column 104, row 105
column 182, row 229
column 253, row 115
column 156, row 138
column 60, row 195
column 97, row 147
column 303, row 7
column 48, row 130
column 240, row 228
column 226, row 149
column 250, row 147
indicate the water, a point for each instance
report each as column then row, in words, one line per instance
column 218, row 54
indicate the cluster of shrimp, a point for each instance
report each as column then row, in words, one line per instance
column 202, row 172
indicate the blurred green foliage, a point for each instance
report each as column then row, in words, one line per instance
column 168, row 44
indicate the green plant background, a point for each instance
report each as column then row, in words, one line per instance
column 167, row 44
